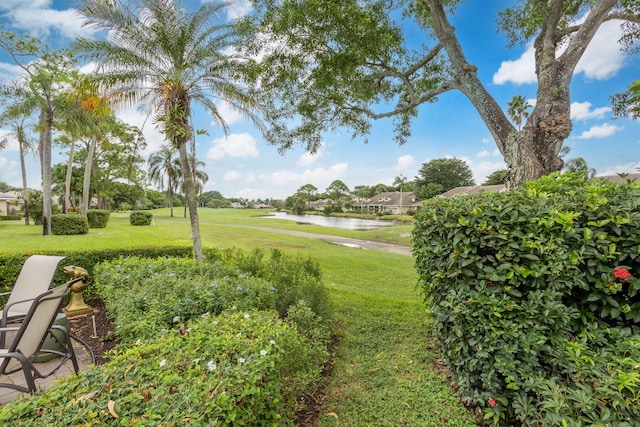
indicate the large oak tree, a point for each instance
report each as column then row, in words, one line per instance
column 334, row 63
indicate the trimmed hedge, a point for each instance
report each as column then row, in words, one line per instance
column 536, row 299
column 98, row 218
column 69, row 224
column 11, row 264
column 140, row 218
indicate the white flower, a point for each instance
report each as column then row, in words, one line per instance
column 204, row 316
column 272, row 342
column 211, row 366
column 241, row 360
column 246, row 315
column 176, row 319
column 263, row 352
column 163, row 362
column 196, row 360
column 215, row 322
column 139, row 342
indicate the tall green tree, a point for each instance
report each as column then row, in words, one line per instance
column 497, row 177
column 337, row 190
column 308, row 190
column 166, row 58
column 16, row 119
column 517, row 110
column 441, row 175
column 43, row 83
column 348, row 62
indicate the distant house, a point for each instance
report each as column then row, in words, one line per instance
column 472, row 189
column 395, row 202
column 633, row 177
column 9, row 202
column 319, row 204
column 236, row 205
column 263, row 206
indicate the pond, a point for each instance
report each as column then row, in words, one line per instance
column 334, row 222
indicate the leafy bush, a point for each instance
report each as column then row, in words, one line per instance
column 296, row 278
column 146, row 296
column 69, row 224
column 140, row 218
column 528, row 290
column 229, row 370
column 10, row 264
column 98, row 218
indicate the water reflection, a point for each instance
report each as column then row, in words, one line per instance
column 334, row 222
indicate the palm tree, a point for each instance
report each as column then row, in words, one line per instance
column 25, row 144
column 41, row 92
column 517, row 110
column 200, row 177
column 165, row 58
column 163, row 163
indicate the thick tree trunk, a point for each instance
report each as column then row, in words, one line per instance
column 190, row 201
column 533, row 151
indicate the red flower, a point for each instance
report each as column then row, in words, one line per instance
column 621, row 273
column 492, row 402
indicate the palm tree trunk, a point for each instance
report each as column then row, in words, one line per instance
column 190, row 202
column 87, row 174
column 23, row 169
column 46, row 172
column 67, row 183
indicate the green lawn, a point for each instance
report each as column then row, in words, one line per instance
column 384, row 372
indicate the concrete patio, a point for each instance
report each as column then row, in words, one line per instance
column 66, row 370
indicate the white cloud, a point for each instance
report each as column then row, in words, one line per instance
column 37, row 18
column 583, row 111
column 235, row 145
column 231, row 176
column 238, row 8
column 601, row 60
column 9, row 72
column 519, row 71
column 310, row 158
column 486, row 140
column 631, row 167
column 603, row 57
column 228, row 113
column 404, row 162
column 483, row 153
column 599, row 131
column 320, row 177
column 11, row 140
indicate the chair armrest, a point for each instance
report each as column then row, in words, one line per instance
column 9, row 329
column 2, row 294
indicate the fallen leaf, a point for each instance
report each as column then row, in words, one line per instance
column 332, row 414
column 112, row 405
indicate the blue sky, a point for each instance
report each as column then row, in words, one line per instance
column 243, row 165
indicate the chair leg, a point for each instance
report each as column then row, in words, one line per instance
column 27, row 370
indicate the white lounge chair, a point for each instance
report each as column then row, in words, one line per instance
column 35, row 277
column 30, row 335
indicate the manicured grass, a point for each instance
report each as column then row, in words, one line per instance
column 384, row 372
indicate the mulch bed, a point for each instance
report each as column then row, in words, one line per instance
column 100, row 340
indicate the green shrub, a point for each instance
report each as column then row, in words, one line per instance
column 527, row 293
column 226, row 370
column 140, row 218
column 10, row 264
column 98, row 218
column 69, row 224
column 296, row 278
